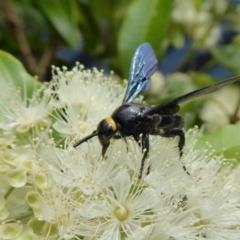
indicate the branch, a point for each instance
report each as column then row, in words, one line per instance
column 36, row 68
column 48, row 54
column 18, row 32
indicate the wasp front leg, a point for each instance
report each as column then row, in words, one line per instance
column 145, row 151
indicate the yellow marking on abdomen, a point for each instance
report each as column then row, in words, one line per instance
column 111, row 122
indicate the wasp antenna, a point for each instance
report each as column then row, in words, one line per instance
column 95, row 133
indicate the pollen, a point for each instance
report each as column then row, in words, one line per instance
column 111, row 122
column 121, row 213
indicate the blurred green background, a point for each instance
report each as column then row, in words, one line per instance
column 194, row 34
column 197, row 42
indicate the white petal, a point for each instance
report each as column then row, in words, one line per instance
column 122, row 185
column 111, row 234
column 94, row 210
column 48, row 212
column 144, row 201
column 140, row 233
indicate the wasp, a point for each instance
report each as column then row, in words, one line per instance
column 140, row 121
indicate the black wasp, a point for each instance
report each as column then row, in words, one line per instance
column 140, row 121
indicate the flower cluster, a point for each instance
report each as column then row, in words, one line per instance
column 49, row 190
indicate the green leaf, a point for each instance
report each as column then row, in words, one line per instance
column 145, row 21
column 228, row 56
column 89, row 24
column 224, row 140
column 13, row 72
column 64, row 17
column 201, row 79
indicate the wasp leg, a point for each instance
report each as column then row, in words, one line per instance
column 104, row 148
column 171, row 127
column 145, row 150
column 173, row 133
column 137, row 139
column 117, row 137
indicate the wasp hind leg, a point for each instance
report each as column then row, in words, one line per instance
column 174, row 132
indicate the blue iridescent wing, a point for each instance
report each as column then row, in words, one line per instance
column 144, row 64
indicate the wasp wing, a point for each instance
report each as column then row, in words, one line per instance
column 173, row 107
column 144, row 64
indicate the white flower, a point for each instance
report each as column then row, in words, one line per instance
column 92, row 197
column 105, row 199
column 60, row 208
column 76, row 193
column 83, row 169
column 125, row 210
column 83, row 95
column 20, row 112
column 110, row 200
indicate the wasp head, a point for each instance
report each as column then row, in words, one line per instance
column 106, row 130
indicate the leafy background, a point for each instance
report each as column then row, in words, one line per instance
column 197, row 42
